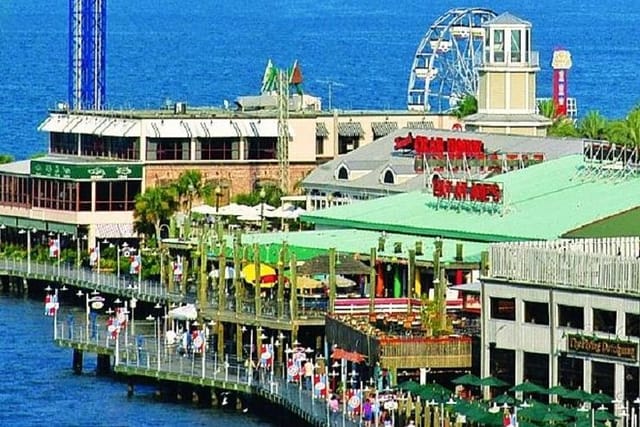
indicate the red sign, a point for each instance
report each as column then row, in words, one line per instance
column 468, row 191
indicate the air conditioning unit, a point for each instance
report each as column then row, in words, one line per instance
column 180, row 108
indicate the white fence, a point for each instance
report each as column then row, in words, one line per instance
column 605, row 265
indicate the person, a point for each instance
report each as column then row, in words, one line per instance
column 334, row 407
column 385, row 418
column 411, row 424
column 367, row 413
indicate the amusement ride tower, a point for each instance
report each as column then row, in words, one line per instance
column 87, row 67
column 561, row 63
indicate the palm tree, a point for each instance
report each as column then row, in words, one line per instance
column 593, row 125
column 627, row 131
column 466, row 106
column 561, row 125
column 547, row 108
column 6, row 158
column 153, row 207
column 189, row 186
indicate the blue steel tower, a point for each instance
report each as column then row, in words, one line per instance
column 87, row 67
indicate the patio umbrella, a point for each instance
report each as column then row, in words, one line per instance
column 559, row 390
column 579, row 394
column 528, row 388
column 600, row 398
column 409, row 385
column 186, row 312
column 501, row 399
column 552, row 417
column 204, row 209
column 235, row 209
column 492, row 382
column 467, row 379
column 249, row 272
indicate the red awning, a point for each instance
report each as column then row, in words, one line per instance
column 350, row 356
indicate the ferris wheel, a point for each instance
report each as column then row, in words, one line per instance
column 445, row 66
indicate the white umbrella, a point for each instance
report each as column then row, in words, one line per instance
column 186, row 312
column 235, row 209
column 204, row 209
column 263, row 207
column 250, row 217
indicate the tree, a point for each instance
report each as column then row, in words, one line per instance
column 153, row 207
column 190, row 186
column 561, row 125
column 466, row 106
column 6, row 158
column 593, row 126
column 627, row 131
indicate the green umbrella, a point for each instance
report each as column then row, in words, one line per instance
column 579, row 394
column 492, row 382
column 528, row 388
column 467, row 379
column 552, row 417
column 600, row 398
column 558, row 390
column 604, row 415
column 504, row 398
column 409, row 385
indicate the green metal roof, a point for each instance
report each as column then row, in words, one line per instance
column 544, row 201
column 308, row 244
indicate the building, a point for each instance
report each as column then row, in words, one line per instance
column 564, row 312
column 507, row 81
column 98, row 161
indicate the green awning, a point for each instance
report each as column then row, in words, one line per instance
column 321, row 130
column 9, row 221
column 423, row 124
column 383, row 128
column 350, row 129
column 32, row 223
column 57, row 227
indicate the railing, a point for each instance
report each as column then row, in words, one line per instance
column 151, row 356
column 106, row 282
column 564, row 266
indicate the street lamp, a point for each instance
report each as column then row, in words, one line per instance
column 132, row 303
column 218, row 194
column 119, row 249
column 96, row 301
column 2, row 227
column 28, row 232
column 262, row 195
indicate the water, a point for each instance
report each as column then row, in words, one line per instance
column 204, row 52
column 38, row 386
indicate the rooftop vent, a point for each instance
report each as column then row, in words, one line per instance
column 180, row 108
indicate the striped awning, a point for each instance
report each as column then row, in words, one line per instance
column 321, row 130
column 115, row 231
column 350, row 129
column 423, row 124
column 383, row 128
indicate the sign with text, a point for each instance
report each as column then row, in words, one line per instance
column 468, row 191
column 86, row 171
column 603, row 347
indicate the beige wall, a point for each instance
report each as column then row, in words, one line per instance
column 518, row 93
column 497, row 86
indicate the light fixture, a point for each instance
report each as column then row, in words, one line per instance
column 79, row 293
column 48, row 288
column 150, row 317
column 2, row 226
column 64, row 288
column 157, row 306
column 117, row 301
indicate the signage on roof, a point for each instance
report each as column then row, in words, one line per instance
column 468, row 191
column 603, row 347
column 97, row 171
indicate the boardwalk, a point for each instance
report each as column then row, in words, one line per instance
column 146, row 356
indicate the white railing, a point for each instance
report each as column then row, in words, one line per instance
column 566, row 265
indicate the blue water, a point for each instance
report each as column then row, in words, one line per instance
column 38, row 386
column 204, row 52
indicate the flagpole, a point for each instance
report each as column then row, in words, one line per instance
column 139, row 269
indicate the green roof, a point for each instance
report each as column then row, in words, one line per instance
column 308, row 244
column 545, row 201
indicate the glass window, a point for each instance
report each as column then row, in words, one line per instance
column 261, row 148
column 526, row 45
column 343, row 173
column 217, row 149
column 502, row 365
column 388, row 177
column 570, row 371
column 63, row 143
column 602, row 377
column 604, row 320
column 498, row 45
column 536, row 312
column 319, row 145
column 571, row 317
column 503, row 308
column 632, row 325
column 515, row 45
column 347, row 143
column 536, row 370
column 631, row 382
column 167, row 149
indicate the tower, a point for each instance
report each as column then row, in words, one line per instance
column 283, row 130
column 87, row 36
column 507, row 80
column 561, row 63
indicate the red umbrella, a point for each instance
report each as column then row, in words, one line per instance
column 379, row 281
column 350, row 356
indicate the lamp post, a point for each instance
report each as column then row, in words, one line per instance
column 156, row 332
column 2, row 227
column 132, row 303
column 635, row 412
column 262, row 195
column 218, row 194
column 95, row 301
column 28, row 233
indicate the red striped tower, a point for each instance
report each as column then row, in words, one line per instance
column 561, row 63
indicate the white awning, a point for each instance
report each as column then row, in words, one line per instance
column 55, row 123
column 120, row 127
column 168, row 128
column 86, row 125
column 114, row 231
column 263, row 128
column 217, row 129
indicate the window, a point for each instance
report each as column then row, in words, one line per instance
column 604, row 320
column 632, row 325
column 167, row 149
column 217, row 149
column 53, row 194
column 536, row 312
column 631, row 382
column 498, row 45
column 343, row 173
column 502, row 365
column 571, row 317
column 389, row 177
column 15, row 191
column 347, row 143
column 526, row 45
column 503, row 308
column 63, row 143
column 261, row 148
column 515, row 45
column 602, row 377
column 536, row 369
column 116, row 195
column 570, row 372
column 319, row 145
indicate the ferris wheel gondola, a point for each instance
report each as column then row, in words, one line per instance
column 444, row 68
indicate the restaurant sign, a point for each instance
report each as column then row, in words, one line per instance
column 603, row 347
column 467, row 191
column 88, row 171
